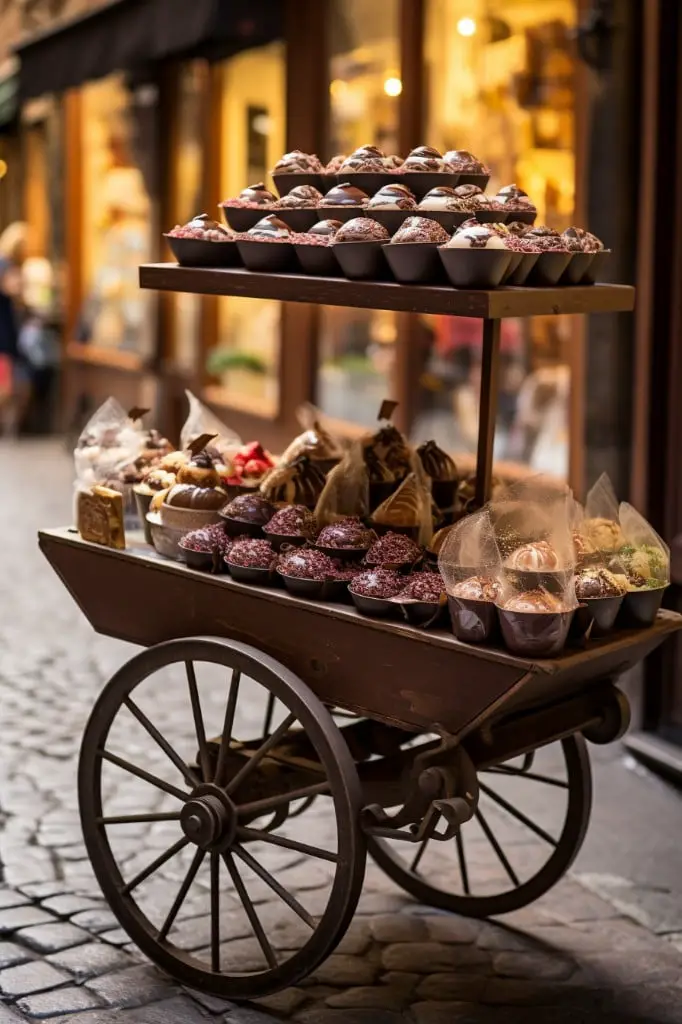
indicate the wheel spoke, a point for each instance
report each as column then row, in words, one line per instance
column 416, row 860
column 518, row 772
column 134, row 819
column 204, row 759
column 142, row 774
column 254, row 835
column 155, row 865
column 266, row 877
column 215, row 913
column 182, row 893
column 496, row 847
column 228, row 726
column 250, row 910
column 184, row 769
column 519, row 815
column 270, row 803
column 269, row 712
column 255, row 760
column 462, row 860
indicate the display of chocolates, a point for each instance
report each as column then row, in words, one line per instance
column 380, row 583
column 203, row 228
column 346, row 534
column 420, row 229
column 394, row 196
column 393, row 549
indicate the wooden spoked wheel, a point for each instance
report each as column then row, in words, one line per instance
column 188, row 835
column 529, row 825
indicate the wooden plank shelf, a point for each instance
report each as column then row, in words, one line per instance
column 337, row 291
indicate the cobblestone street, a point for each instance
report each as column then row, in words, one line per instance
column 604, row 945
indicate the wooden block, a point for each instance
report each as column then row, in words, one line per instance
column 100, row 517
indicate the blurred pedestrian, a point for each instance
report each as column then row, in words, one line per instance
column 15, row 373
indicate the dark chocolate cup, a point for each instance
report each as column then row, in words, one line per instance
column 414, row 262
column 391, row 219
column 554, row 582
column 448, row 219
column 548, row 269
column 247, row 574
column 285, row 182
column 474, row 622
column 601, row 613
column 598, row 266
column 425, row 614
column 475, row 268
column 367, row 181
column 298, row 219
column 317, row 259
column 535, row 634
column 238, row 528
column 375, row 607
column 491, row 216
column 640, row 608
column 206, row 561
column 284, row 540
column 421, row 182
column 242, row 218
column 472, row 179
column 199, row 252
column 143, row 501
column 275, row 257
column 314, row 590
column 362, row 261
column 514, row 262
column 342, row 213
column 518, row 277
column 577, row 268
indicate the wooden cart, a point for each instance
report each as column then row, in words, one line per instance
column 413, row 738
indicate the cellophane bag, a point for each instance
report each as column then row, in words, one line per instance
column 410, row 508
column 200, row 420
column 644, row 558
column 469, row 551
column 315, row 441
column 346, row 492
column 601, row 525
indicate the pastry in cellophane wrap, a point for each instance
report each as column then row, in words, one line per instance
column 346, row 490
column 532, row 525
column 315, row 441
column 409, row 510
column 601, row 524
column 388, row 456
column 469, row 562
column 642, row 565
column 442, row 471
column 108, row 445
column 296, row 482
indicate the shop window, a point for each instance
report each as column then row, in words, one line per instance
column 246, row 361
column 118, row 222
column 500, row 80
column 357, row 347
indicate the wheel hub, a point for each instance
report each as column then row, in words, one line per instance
column 209, row 818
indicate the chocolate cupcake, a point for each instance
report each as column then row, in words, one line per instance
column 358, row 248
column 422, row 599
column 393, row 549
column 294, row 525
column 471, row 603
column 420, row 230
column 298, row 208
column 247, row 514
column 517, row 203
column 298, row 482
column 443, row 474
column 206, row 548
column 342, row 202
column 246, row 209
column 251, row 561
column 535, row 623
column 312, row 574
column 391, row 205
column 412, row 253
column 554, row 256
column 297, row 168
column 424, row 168
column 476, row 257
column 267, row 246
column 373, row 589
column 203, row 242
column 314, row 249
column 196, row 498
column 348, row 537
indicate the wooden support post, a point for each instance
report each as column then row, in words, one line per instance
column 490, row 362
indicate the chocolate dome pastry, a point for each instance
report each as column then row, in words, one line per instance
column 297, row 162
column 393, row 549
column 424, row 158
column 358, row 249
column 293, row 525
column 442, row 472
column 394, row 196
column 361, row 229
column 348, row 535
column 344, row 194
column 420, row 229
column 441, row 198
column 518, row 204
column 199, row 471
column 242, row 211
column 412, row 253
column 537, row 556
column 336, row 163
column 464, row 162
column 298, row 482
column 476, row 257
column 373, row 589
column 300, row 197
column 367, row 159
column 204, row 228
column 585, row 247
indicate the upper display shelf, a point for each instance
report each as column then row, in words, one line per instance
column 494, row 304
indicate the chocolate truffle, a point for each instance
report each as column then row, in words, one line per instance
column 597, row 582
column 471, row 197
column 307, row 564
column 250, row 508
column 423, row 586
column 437, row 464
column 365, row 159
column 476, row 238
column 583, row 240
column 293, row 521
column 393, row 197
column 298, row 482
column 362, row 229
column 440, row 198
column 572, row 240
column 546, row 239
column 302, row 197
column 346, row 534
column 420, row 229
column 393, row 549
column 381, row 583
column 344, row 194
column 464, row 162
column 538, row 556
column 511, row 197
column 270, row 229
column 424, row 158
column 517, row 227
column 535, row 601
column 208, row 540
column 335, row 163
column 393, row 162
column 605, row 534
column 252, row 554
column 253, row 197
column 297, row 162
column 322, row 233
column 477, row 588
column 204, row 228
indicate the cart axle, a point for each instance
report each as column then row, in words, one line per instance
column 209, row 819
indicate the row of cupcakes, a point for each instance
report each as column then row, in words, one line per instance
column 369, row 168
column 420, row 251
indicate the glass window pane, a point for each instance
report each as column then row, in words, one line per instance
column 501, row 84
column 253, row 132
column 357, row 347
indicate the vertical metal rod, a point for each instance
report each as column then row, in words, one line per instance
column 490, row 364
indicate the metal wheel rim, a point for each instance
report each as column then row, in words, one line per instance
column 577, row 819
column 344, row 789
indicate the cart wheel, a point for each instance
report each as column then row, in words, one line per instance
column 528, row 827
column 192, row 851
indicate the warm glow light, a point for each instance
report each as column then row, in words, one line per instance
column 466, row 26
column 338, row 87
column 3, row 168
column 393, row 87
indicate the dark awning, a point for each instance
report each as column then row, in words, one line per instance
column 130, row 34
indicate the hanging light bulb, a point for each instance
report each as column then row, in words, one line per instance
column 466, row 27
column 393, row 86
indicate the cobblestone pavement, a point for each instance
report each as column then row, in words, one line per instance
column 599, row 947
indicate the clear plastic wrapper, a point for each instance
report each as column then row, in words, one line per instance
column 315, row 441
column 644, row 558
column 346, row 490
column 469, row 562
column 409, row 509
column 601, row 523
column 200, row 420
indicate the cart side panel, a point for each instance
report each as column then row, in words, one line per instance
column 390, row 674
